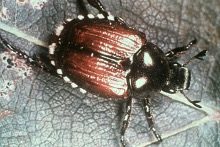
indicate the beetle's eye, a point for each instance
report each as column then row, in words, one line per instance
column 140, row 82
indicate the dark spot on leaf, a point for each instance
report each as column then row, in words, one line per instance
column 10, row 62
column 9, row 66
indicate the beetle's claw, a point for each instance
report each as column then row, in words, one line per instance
column 195, row 104
column 201, row 55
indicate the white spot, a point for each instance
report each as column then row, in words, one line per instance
column 25, row 56
column 69, row 19
column 118, row 91
column 127, row 72
column 147, row 59
column 52, row 48
column 126, row 117
column 92, row 54
column 111, row 17
column 59, row 30
column 30, row 59
column 9, row 46
column 129, row 107
column 80, row 17
column 91, row 16
column 147, row 109
column 73, row 85
column 120, row 19
column 140, row 82
column 52, row 62
column 171, row 90
column 59, row 71
column 82, row 90
column 100, row 16
column 66, row 79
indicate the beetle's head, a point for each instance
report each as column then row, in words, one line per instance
column 179, row 78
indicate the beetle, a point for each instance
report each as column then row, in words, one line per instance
column 105, row 56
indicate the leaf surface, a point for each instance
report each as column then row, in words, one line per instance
column 38, row 109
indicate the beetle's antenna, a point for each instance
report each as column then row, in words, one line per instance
column 193, row 102
column 199, row 56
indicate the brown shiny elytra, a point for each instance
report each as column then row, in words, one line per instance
column 96, row 53
column 103, row 55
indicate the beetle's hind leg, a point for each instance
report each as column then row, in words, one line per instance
column 34, row 61
column 30, row 60
column 126, row 121
column 149, row 117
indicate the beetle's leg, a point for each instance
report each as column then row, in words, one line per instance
column 195, row 103
column 173, row 53
column 149, row 117
column 98, row 5
column 94, row 3
column 35, row 60
column 199, row 56
column 21, row 54
column 126, row 120
column 82, row 8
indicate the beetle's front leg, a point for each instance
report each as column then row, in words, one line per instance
column 126, row 120
column 173, row 53
column 149, row 117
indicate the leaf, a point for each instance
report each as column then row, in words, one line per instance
column 38, row 109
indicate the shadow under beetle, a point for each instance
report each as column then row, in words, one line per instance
column 103, row 55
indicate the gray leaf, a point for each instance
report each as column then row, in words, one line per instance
column 38, row 109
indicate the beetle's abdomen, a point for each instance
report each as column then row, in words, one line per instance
column 93, row 58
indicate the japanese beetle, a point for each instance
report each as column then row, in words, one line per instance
column 103, row 55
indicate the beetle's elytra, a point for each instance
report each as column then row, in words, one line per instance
column 105, row 56
column 98, row 49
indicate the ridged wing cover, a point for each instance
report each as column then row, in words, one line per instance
column 95, row 54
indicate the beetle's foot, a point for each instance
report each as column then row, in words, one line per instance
column 158, row 136
column 122, row 141
column 195, row 103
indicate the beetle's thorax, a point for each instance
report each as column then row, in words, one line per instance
column 149, row 70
